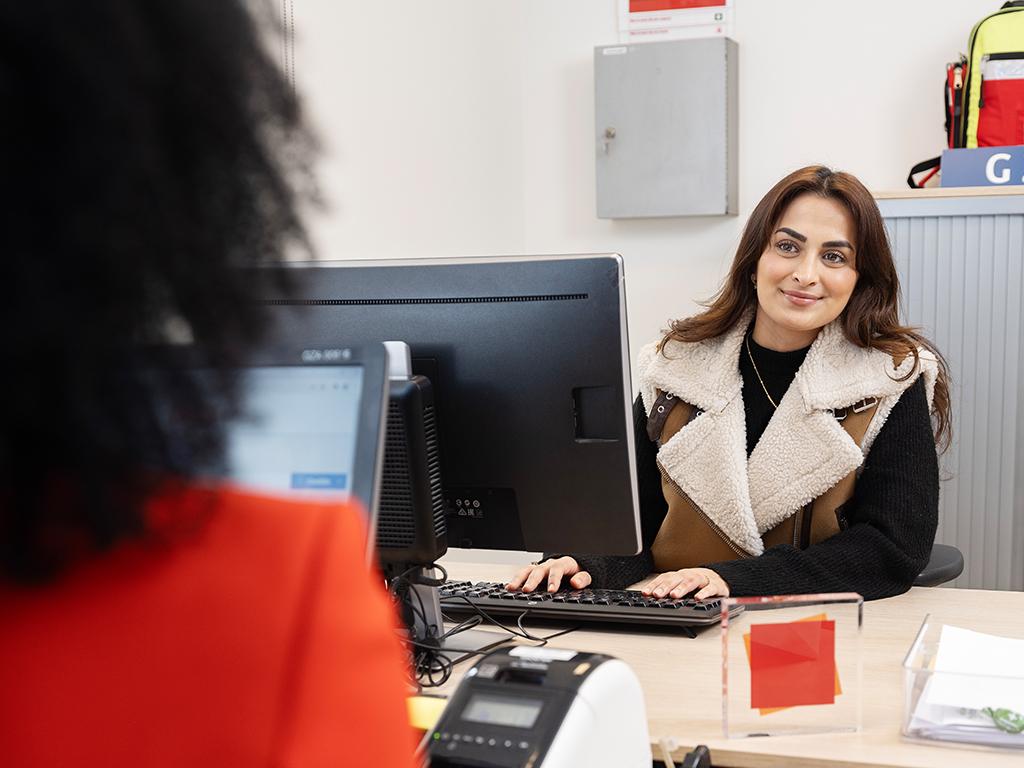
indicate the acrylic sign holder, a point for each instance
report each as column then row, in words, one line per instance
column 791, row 665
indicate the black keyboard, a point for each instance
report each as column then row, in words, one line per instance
column 601, row 606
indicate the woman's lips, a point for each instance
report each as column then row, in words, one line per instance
column 800, row 299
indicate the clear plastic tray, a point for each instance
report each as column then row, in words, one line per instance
column 944, row 702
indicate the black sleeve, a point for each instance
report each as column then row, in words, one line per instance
column 892, row 520
column 620, row 572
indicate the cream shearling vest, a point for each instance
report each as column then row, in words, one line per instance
column 804, row 450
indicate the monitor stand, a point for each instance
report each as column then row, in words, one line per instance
column 458, row 646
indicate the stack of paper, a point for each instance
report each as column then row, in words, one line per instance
column 974, row 691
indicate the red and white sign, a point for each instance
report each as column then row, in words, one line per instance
column 649, row 20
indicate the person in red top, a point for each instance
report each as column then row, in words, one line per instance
column 148, row 618
column 251, row 638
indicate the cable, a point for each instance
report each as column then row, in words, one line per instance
column 462, row 626
column 522, row 631
column 542, row 641
column 431, row 665
column 484, row 615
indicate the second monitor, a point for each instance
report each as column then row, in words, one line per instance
column 529, row 362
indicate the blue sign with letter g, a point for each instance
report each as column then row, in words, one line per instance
column 983, row 167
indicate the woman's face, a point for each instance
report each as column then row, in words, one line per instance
column 806, row 275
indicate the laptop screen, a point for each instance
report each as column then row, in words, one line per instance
column 299, row 429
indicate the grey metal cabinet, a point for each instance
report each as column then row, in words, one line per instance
column 666, row 128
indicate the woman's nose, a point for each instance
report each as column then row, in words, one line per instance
column 805, row 271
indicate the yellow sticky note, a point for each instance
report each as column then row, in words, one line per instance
column 425, row 711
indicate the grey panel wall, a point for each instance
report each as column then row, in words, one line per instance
column 961, row 267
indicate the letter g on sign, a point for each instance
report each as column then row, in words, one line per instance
column 990, row 169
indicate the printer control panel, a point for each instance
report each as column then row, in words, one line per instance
column 506, row 712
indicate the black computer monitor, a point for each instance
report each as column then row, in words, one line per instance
column 529, row 362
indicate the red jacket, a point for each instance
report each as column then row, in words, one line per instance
column 256, row 636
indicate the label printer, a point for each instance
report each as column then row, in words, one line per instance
column 543, row 708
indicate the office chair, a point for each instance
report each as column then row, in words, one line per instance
column 945, row 564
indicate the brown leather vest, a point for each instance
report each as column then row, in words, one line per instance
column 688, row 538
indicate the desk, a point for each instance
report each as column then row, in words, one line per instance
column 682, row 682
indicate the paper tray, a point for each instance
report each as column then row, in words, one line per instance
column 929, row 712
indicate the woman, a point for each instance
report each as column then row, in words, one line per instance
column 147, row 618
column 785, row 435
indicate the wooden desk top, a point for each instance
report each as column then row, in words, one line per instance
column 682, row 680
column 935, row 192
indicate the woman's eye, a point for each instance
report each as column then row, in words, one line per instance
column 786, row 246
column 834, row 257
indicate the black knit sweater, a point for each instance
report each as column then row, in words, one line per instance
column 892, row 515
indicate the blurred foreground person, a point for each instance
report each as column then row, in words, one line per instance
column 148, row 618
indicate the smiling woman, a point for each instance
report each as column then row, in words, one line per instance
column 756, row 418
column 806, row 275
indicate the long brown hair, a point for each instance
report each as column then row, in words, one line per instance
column 870, row 319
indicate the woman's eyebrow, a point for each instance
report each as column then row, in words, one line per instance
column 793, row 233
column 803, row 239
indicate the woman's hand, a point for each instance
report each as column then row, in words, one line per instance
column 552, row 571
column 682, row 582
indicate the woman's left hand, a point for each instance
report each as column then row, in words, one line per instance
column 682, row 582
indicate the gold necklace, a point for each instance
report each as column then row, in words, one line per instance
column 746, row 341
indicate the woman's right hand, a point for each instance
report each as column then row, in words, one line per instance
column 551, row 571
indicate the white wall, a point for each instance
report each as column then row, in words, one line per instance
column 465, row 127
column 460, row 127
column 418, row 108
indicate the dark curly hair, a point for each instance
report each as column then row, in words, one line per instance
column 146, row 149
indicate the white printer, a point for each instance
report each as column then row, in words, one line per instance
column 544, row 708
